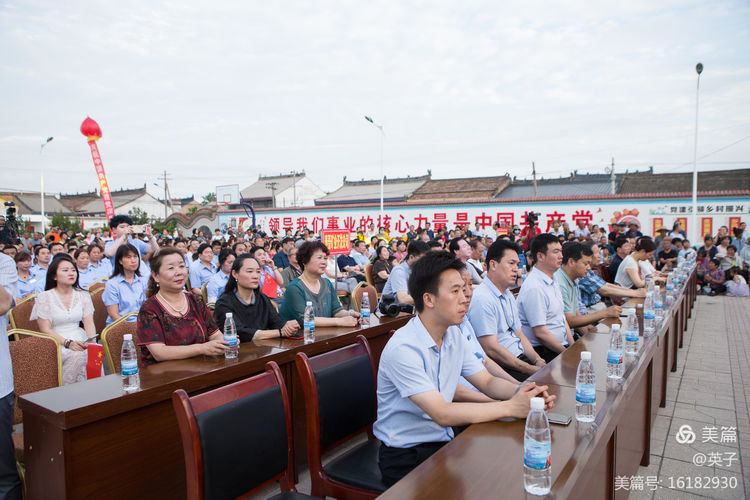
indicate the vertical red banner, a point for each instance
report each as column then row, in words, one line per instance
column 707, row 226
column 658, row 222
column 733, row 223
column 109, row 208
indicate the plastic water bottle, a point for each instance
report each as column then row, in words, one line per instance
column 522, row 273
column 649, row 316
column 631, row 332
column 309, row 323
column 670, row 285
column 230, row 336
column 131, row 381
column 614, row 354
column 364, row 310
column 649, row 285
column 658, row 305
column 537, row 450
column 585, row 389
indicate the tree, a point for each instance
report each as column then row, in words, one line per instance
column 192, row 210
column 138, row 216
column 210, row 197
column 65, row 223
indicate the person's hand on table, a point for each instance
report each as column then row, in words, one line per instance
column 348, row 320
column 520, row 402
column 290, row 328
column 214, row 347
column 615, row 311
column 641, row 292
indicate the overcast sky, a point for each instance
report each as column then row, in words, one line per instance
column 220, row 92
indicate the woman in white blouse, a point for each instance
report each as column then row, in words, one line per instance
column 60, row 309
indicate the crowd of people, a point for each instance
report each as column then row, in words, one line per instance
column 493, row 305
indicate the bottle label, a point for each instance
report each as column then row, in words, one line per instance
column 130, row 367
column 649, row 314
column 631, row 336
column 658, row 305
column 310, row 326
column 536, row 455
column 365, row 312
column 670, row 287
column 585, row 393
column 614, row 357
column 231, row 340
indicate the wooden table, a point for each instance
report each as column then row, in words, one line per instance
column 91, row 440
column 485, row 461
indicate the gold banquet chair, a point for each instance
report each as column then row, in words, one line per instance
column 112, row 339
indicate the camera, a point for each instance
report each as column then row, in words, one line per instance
column 389, row 307
column 532, row 218
column 9, row 233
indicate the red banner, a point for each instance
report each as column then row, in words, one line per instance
column 109, row 208
column 95, row 354
column 337, row 241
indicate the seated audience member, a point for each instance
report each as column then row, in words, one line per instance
column 397, row 284
column 173, row 323
column 715, row 277
column 10, row 251
column 125, row 290
column 60, row 309
column 312, row 257
column 622, row 250
column 738, row 241
column 576, row 264
column 216, row 246
column 98, row 265
column 701, row 267
column 477, row 257
column 191, row 251
column 349, row 268
column 254, row 315
column 633, row 231
column 202, row 267
column 736, row 283
column 540, row 304
column 270, row 276
column 42, row 258
column 400, row 254
column 581, row 232
column 122, row 229
column 667, row 256
column 708, row 245
column 85, row 275
column 361, row 255
column 461, row 250
column 629, row 272
column 27, row 283
column 731, row 259
column 281, row 258
column 592, row 287
column 381, row 268
column 493, row 314
column 686, row 251
column 182, row 246
column 292, row 271
column 467, row 331
column 677, row 232
column 721, row 249
column 416, row 407
column 218, row 281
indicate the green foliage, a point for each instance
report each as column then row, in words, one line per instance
column 192, row 210
column 138, row 216
column 208, row 198
column 65, row 223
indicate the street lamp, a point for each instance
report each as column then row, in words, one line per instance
column 382, row 135
column 41, row 179
column 699, row 70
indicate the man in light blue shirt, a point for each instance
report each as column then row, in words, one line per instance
column 122, row 228
column 494, row 314
column 419, row 397
column 540, row 302
column 360, row 254
column 397, row 284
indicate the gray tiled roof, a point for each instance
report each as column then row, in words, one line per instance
column 565, row 187
column 393, row 190
column 457, row 189
column 718, row 180
column 259, row 190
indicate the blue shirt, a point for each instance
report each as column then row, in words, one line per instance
column 37, row 271
column 103, row 270
column 128, row 298
column 412, row 364
column 398, row 280
column 8, row 280
column 141, row 246
column 588, row 285
column 85, row 278
column 26, row 287
column 540, row 303
column 200, row 274
column 281, row 260
column 216, row 285
column 476, row 348
column 361, row 260
column 495, row 313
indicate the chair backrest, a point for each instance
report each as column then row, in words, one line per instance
column 603, row 272
column 204, row 292
column 37, row 365
column 20, row 314
column 96, row 285
column 368, row 275
column 112, row 339
column 232, row 439
column 361, row 289
column 100, row 310
column 340, row 396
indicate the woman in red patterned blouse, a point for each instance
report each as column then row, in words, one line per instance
column 172, row 323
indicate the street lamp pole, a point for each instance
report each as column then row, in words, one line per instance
column 41, row 180
column 382, row 136
column 699, row 236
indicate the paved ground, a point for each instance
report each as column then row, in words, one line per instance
column 711, row 396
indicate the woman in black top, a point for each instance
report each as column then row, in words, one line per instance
column 253, row 313
column 381, row 267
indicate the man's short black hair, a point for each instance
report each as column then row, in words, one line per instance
column 216, row 242
column 358, row 242
column 540, row 243
column 453, row 246
column 620, row 242
column 287, row 240
column 576, row 251
column 417, row 248
column 426, row 272
column 55, row 244
column 434, row 245
column 497, row 250
column 119, row 219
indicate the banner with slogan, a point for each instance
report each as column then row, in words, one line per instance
column 337, row 241
column 93, row 133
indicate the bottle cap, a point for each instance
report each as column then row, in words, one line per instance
column 639, row 306
column 229, row 315
column 308, row 303
column 585, row 356
column 127, row 336
column 614, row 327
column 537, row 404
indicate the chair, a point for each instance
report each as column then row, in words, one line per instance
column 368, row 275
column 359, row 291
column 19, row 315
column 604, row 273
column 112, row 339
column 233, row 440
column 96, row 285
column 100, row 310
column 204, row 292
column 340, row 403
column 37, row 365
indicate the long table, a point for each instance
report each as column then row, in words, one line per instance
column 485, row 461
column 91, row 440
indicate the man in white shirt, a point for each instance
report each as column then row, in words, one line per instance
column 581, row 232
column 10, row 484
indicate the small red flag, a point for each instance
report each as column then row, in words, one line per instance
column 95, row 360
column 270, row 286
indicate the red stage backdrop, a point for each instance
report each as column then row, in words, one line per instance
column 93, row 133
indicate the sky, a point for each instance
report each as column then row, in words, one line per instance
column 222, row 92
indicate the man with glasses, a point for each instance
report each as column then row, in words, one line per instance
column 493, row 314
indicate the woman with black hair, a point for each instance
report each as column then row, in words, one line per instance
column 253, row 313
column 382, row 265
column 219, row 280
column 60, row 309
column 202, row 268
column 125, row 290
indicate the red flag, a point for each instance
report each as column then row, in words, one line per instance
column 95, row 360
column 270, row 286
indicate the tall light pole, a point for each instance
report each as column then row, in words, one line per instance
column 699, row 236
column 41, row 179
column 382, row 135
